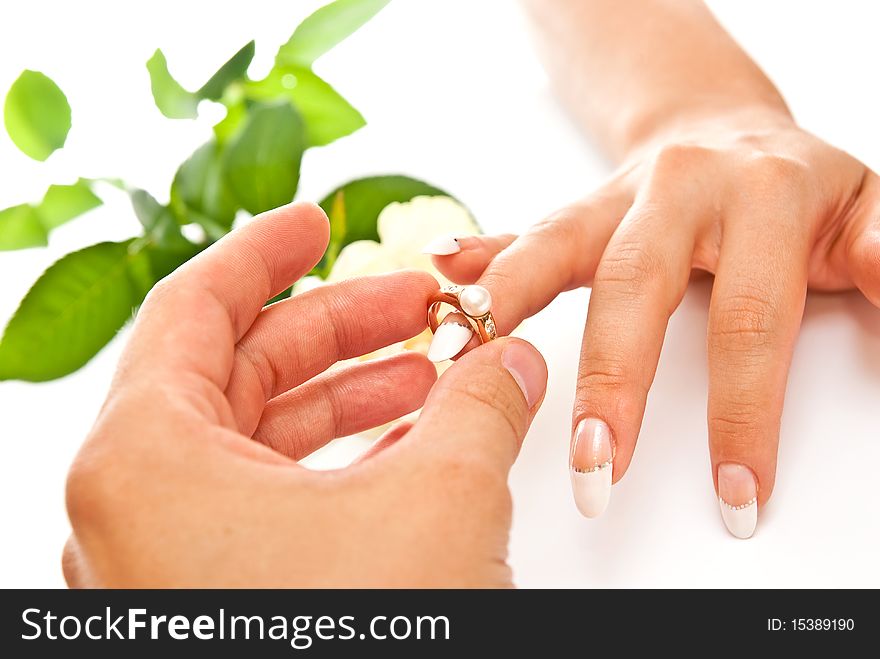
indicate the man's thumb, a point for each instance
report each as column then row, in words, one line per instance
column 481, row 408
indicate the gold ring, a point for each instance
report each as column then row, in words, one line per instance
column 474, row 302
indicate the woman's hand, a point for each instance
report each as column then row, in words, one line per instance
column 171, row 488
column 768, row 209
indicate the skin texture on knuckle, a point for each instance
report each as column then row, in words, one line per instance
column 560, row 228
column 776, row 169
column 738, row 424
column 610, row 389
column 126, row 453
column 605, row 373
column 631, row 267
column 743, row 322
column 781, row 186
column 741, row 416
column 563, row 223
column 102, row 462
column 681, row 158
column 563, row 229
column 88, row 489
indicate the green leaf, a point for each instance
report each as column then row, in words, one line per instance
column 261, row 162
column 172, row 100
column 199, row 192
column 283, row 295
column 165, row 260
column 147, row 210
column 20, row 227
column 228, row 126
column 28, row 225
column 37, row 115
column 62, row 203
column 338, row 226
column 354, row 208
column 72, row 311
column 160, row 224
column 325, row 28
column 175, row 102
column 327, row 115
column 234, row 69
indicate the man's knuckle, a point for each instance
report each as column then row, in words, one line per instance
column 88, row 489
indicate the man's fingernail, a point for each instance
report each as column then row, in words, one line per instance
column 527, row 367
column 448, row 341
column 738, row 497
column 591, row 466
column 442, row 246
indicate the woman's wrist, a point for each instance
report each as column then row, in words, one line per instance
column 647, row 132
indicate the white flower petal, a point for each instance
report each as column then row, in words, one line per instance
column 362, row 257
column 307, row 284
column 404, row 228
column 409, row 225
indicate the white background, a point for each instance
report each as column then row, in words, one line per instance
column 453, row 94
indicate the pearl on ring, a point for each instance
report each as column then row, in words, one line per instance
column 475, row 301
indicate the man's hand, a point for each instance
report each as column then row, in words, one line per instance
column 189, row 477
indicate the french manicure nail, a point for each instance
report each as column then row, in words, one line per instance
column 591, row 466
column 448, row 341
column 738, row 498
column 527, row 368
column 442, row 246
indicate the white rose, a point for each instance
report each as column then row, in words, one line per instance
column 404, row 228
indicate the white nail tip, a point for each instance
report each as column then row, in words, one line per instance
column 592, row 490
column 740, row 520
column 442, row 246
column 448, row 341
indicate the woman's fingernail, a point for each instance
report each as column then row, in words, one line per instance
column 448, row 341
column 592, row 455
column 442, row 246
column 738, row 497
column 527, row 367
